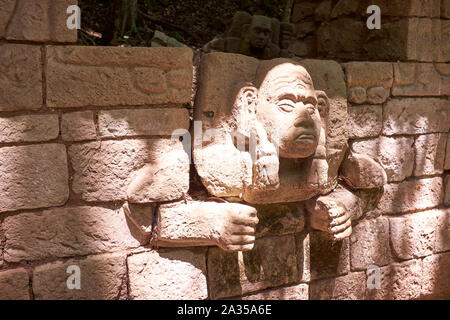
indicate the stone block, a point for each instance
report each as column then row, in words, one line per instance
column 362, row 172
column 369, row 244
column 14, row 284
column 33, row 176
column 416, row 116
column 271, row 263
column 349, row 287
column 436, row 284
column 66, row 232
column 21, row 80
column 365, row 121
column 395, row 154
column 136, row 122
column 114, row 76
column 419, row 234
column 41, row 21
column 430, row 154
column 29, row 128
column 104, row 170
column 419, row 79
column 102, row 277
column 327, row 257
column 295, row 292
column 411, row 196
column 170, row 275
column 78, row 126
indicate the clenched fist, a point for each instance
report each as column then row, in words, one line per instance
column 235, row 227
column 329, row 215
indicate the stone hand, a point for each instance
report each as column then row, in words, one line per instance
column 330, row 216
column 235, row 229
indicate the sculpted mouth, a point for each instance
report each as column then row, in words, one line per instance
column 306, row 135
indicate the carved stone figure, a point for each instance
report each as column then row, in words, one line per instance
column 263, row 134
column 258, row 36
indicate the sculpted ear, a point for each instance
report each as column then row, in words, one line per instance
column 323, row 103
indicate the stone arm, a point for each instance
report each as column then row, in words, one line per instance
column 231, row 226
column 334, row 212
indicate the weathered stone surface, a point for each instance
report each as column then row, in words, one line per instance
column 420, row 234
column 230, row 226
column 33, row 177
column 377, row 95
column 305, row 47
column 430, row 154
column 357, row 95
column 344, row 7
column 369, row 74
column 78, row 126
column 364, row 121
column 65, row 232
column 135, row 122
column 104, row 170
column 116, row 76
column 6, row 12
column 411, row 196
column 419, row 79
column 362, row 172
column 349, row 287
column 424, row 39
column 302, row 10
column 21, row 79
column 369, row 244
column 29, row 128
column 406, row 8
column 323, row 10
column 400, row 281
column 395, row 154
column 328, row 258
column 41, row 21
column 173, row 274
column 14, row 284
column 445, row 8
column 416, row 116
column 272, row 262
column 279, row 219
column 102, row 277
column 303, row 245
column 296, row 292
column 436, row 284
column 447, row 190
column 447, row 154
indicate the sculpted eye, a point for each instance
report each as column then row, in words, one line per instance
column 286, row 105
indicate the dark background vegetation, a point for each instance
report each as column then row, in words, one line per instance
column 192, row 22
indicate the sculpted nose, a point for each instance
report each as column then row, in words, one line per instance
column 303, row 119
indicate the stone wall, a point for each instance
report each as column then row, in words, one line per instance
column 77, row 123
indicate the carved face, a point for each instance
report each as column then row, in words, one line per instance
column 260, row 31
column 287, row 108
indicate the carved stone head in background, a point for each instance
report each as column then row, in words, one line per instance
column 257, row 36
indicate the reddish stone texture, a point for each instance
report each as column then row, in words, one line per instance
column 136, row 122
column 295, row 292
column 29, row 128
column 14, row 285
column 41, row 21
column 66, row 232
column 416, row 116
column 436, row 277
column 173, row 274
column 369, row 244
column 102, row 277
column 104, row 170
column 364, row 121
column 78, row 126
column 349, row 287
column 114, row 76
column 430, row 154
column 411, row 196
column 33, row 176
column 420, row 79
column 21, row 79
column 420, row 234
column 271, row 263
